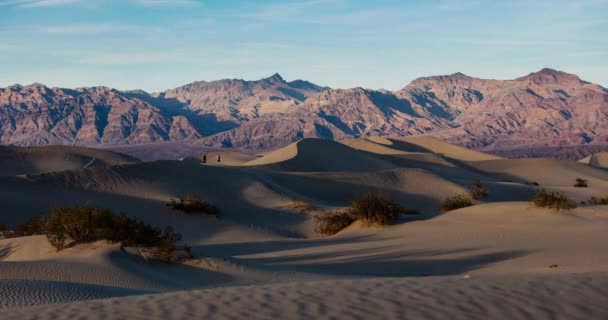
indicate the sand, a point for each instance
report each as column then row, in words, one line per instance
column 19, row 161
column 500, row 259
column 599, row 160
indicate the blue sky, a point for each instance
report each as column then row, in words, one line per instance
column 160, row 44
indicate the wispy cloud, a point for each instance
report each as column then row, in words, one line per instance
column 37, row 3
column 90, row 29
column 507, row 42
column 167, row 3
column 130, row 57
column 57, row 3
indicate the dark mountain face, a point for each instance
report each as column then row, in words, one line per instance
column 548, row 108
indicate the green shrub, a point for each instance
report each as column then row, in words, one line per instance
column 478, row 190
column 597, row 201
column 553, row 200
column 456, row 202
column 581, row 183
column 332, row 222
column 193, row 204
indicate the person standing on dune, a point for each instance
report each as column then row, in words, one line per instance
column 218, row 158
column 204, row 158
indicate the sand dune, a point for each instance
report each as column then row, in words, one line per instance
column 501, row 258
column 521, row 297
column 434, row 145
column 599, row 160
column 544, row 172
column 315, row 155
column 16, row 161
column 227, row 157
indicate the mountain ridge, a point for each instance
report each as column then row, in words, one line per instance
column 546, row 108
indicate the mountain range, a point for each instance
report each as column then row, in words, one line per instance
column 544, row 109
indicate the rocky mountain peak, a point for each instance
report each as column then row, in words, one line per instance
column 551, row 76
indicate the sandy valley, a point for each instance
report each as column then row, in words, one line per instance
column 502, row 258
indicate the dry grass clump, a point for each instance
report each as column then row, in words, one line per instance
column 192, row 203
column 371, row 208
column 581, row 183
column 333, row 222
column 456, row 202
column 478, row 190
column 552, row 200
column 375, row 208
column 596, row 201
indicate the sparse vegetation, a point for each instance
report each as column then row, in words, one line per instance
column 192, row 203
column 166, row 247
column 478, row 190
column 32, row 226
column 82, row 224
column 3, row 230
column 597, row 201
column 553, row 200
column 581, row 183
column 456, row 202
column 332, row 222
column 375, row 208
column 372, row 208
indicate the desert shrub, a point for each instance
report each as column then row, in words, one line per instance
column 597, row 201
column 456, row 202
column 478, row 190
column 188, row 250
column 86, row 224
column 375, row 208
column 332, row 222
column 554, row 200
column 581, row 183
column 192, row 203
column 166, row 247
column 55, row 232
column 33, row 226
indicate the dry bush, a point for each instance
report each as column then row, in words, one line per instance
column 597, row 201
column 375, row 208
column 478, row 190
column 456, row 202
column 166, row 248
column 553, row 200
column 333, row 222
column 192, row 203
column 372, row 208
column 86, row 224
column 581, row 183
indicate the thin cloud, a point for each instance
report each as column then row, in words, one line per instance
column 57, row 3
column 37, row 3
column 90, row 29
column 167, row 3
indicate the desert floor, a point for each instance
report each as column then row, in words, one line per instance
column 499, row 259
